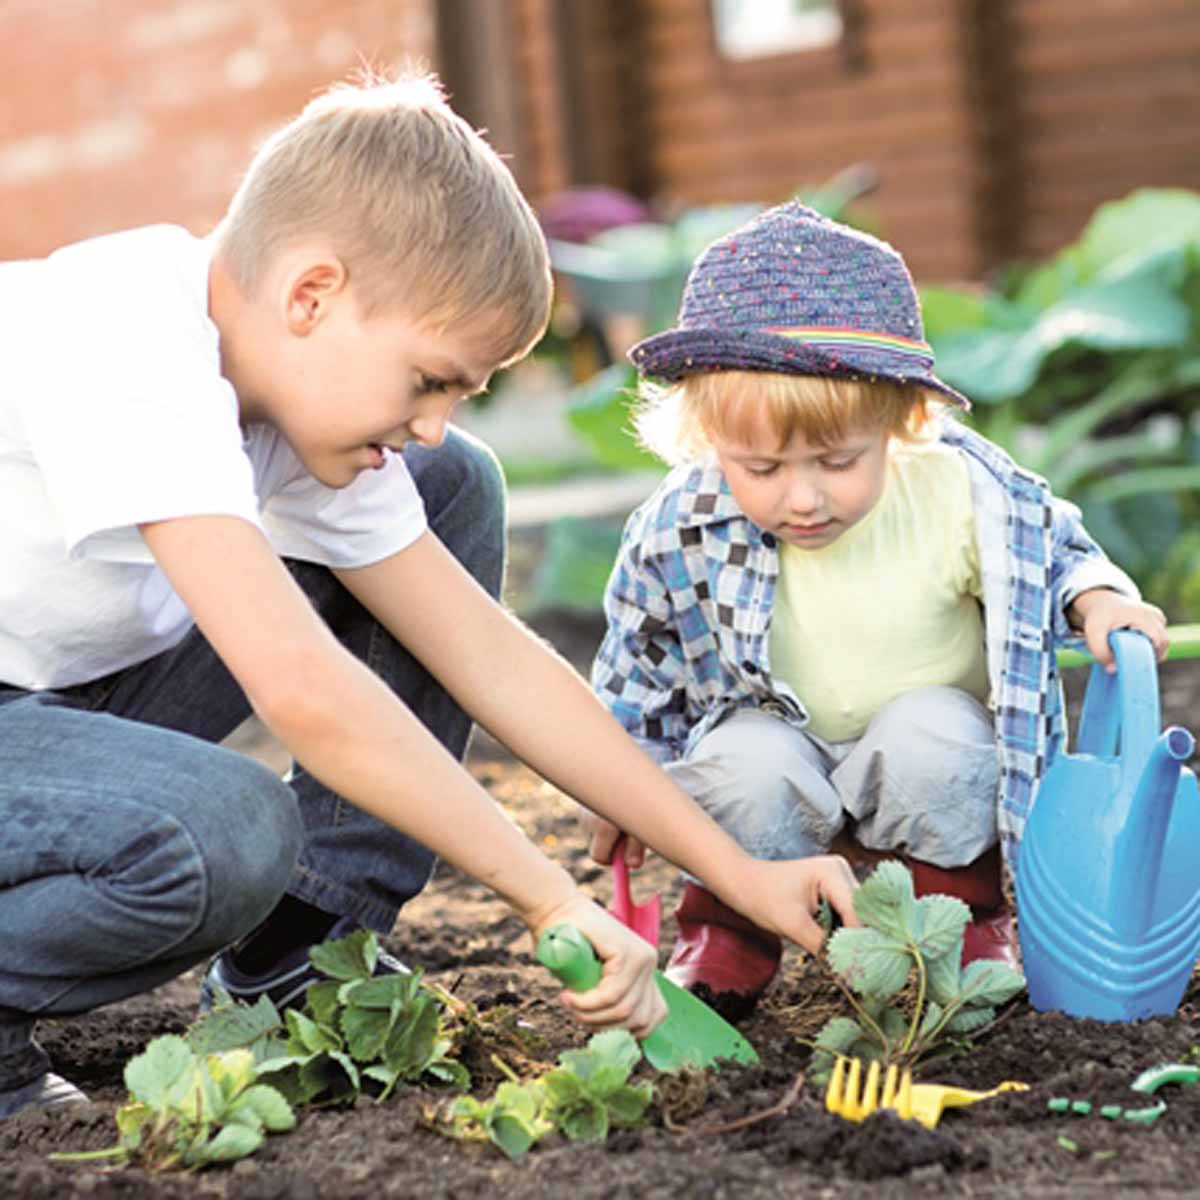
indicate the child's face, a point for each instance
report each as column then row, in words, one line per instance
column 808, row 495
column 353, row 389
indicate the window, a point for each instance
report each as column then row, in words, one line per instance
column 762, row 28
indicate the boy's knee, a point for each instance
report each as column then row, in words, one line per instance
column 761, row 778
column 939, row 715
column 216, row 865
column 254, row 860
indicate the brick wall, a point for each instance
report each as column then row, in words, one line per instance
column 116, row 113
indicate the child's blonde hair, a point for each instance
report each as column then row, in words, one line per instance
column 420, row 209
column 677, row 422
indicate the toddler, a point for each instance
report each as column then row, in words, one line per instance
column 837, row 614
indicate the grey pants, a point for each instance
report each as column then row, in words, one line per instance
column 923, row 778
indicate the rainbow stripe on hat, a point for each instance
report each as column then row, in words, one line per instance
column 860, row 339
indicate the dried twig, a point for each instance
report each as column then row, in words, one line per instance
column 776, row 1110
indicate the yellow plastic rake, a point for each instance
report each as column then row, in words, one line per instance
column 922, row 1102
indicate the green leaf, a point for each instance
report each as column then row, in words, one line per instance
column 270, row 1107
column 383, row 992
column 231, row 1143
column 986, row 981
column 627, row 1105
column 321, row 1001
column 618, row 1047
column 929, row 1022
column 366, row 1031
column 968, row 1020
column 838, row 1034
column 450, row 1072
column 307, row 1033
column 234, row 1026
column 586, row 1121
column 411, row 1044
column 601, row 412
column 351, row 957
column 871, row 962
column 943, row 977
column 1136, row 313
column 943, row 919
column 885, row 901
column 563, row 1087
column 231, row 1070
column 152, row 1075
column 576, row 564
column 513, row 1135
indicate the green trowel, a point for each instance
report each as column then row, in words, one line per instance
column 692, row 1034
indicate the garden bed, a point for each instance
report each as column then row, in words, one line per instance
column 466, row 940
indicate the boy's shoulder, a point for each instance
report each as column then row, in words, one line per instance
column 690, row 495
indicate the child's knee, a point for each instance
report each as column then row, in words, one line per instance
column 761, row 780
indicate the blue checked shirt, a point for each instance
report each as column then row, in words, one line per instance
column 690, row 597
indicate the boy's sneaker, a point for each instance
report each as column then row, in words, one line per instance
column 287, row 982
column 43, row 1092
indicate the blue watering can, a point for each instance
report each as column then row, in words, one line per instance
column 1108, row 877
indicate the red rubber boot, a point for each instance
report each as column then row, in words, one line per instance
column 990, row 933
column 721, row 952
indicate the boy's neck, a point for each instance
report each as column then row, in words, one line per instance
column 234, row 315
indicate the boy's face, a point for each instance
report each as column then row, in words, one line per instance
column 807, row 495
column 353, row 390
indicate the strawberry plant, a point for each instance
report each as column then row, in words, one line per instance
column 190, row 1110
column 582, row 1098
column 902, row 976
column 356, row 1025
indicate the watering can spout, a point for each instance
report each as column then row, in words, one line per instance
column 1139, row 847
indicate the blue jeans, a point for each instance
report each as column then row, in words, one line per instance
column 132, row 846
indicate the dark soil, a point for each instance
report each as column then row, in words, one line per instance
column 1006, row 1147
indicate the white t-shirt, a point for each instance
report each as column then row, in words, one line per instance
column 113, row 412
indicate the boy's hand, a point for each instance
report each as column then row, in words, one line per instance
column 602, row 837
column 784, row 897
column 1100, row 611
column 627, row 996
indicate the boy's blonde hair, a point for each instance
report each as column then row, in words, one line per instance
column 420, row 209
column 676, row 422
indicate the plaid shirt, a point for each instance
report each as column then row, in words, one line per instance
column 690, row 597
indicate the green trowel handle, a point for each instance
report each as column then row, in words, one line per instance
column 569, row 957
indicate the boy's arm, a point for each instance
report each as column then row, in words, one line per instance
column 533, row 701
column 351, row 732
column 1093, row 596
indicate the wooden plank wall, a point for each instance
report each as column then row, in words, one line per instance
column 996, row 126
column 1109, row 102
column 720, row 131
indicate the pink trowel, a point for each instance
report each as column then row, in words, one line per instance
column 643, row 919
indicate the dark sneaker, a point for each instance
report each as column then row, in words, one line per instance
column 289, row 980
column 46, row 1090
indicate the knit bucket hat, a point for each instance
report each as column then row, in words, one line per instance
column 796, row 293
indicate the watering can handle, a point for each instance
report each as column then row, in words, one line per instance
column 1123, row 706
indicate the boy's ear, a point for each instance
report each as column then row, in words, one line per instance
column 311, row 290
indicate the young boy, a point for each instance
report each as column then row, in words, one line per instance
column 180, row 414
column 836, row 615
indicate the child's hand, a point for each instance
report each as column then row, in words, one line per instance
column 603, row 835
column 1100, row 611
column 627, row 996
column 790, row 893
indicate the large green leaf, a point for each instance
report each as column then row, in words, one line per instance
column 600, row 411
column 1142, row 223
column 1136, row 313
column 885, row 901
column 941, row 921
column 153, row 1074
column 577, row 562
column 872, row 963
